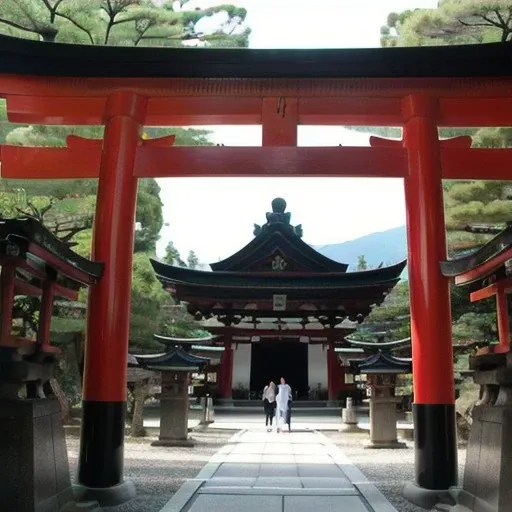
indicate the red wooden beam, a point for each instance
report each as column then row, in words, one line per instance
column 476, row 164
column 491, row 290
column 484, row 269
column 7, row 286
column 478, row 112
column 279, row 122
column 60, row 265
column 66, row 293
column 35, row 101
column 362, row 111
column 45, row 313
column 385, row 158
column 24, row 288
column 503, row 321
column 270, row 161
column 49, row 163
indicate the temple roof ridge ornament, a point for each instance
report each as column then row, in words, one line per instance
column 277, row 246
column 280, row 216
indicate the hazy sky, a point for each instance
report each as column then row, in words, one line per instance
column 215, row 216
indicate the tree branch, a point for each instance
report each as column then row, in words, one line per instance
column 491, row 22
column 502, row 21
column 77, row 25
column 473, row 24
column 20, row 27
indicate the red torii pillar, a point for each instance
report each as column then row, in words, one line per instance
column 104, row 388
column 433, row 380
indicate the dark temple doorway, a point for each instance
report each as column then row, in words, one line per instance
column 271, row 360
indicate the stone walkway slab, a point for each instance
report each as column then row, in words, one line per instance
column 262, row 471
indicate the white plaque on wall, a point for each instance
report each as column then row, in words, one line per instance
column 279, row 302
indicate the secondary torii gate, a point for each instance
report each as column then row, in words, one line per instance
column 124, row 89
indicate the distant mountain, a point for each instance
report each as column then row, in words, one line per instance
column 385, row 247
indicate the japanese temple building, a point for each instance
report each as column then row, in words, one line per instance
column 279, row 308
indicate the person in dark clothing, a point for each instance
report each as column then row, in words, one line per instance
column 269, row 404
column 289, row 416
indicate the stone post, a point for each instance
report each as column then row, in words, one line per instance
column 35, row 470
column 383, row 432
column 349, row 418
column 140, row 392
column 488, row 471
column 174, row 410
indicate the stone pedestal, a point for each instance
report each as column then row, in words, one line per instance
column 34, row 473
column 349, row 418
column 383, row 432
column 174, row 410
column 488, row 471
column 208, row 412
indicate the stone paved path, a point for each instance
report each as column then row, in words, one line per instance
column 270, row 472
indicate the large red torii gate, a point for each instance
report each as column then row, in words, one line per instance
column 124, row 89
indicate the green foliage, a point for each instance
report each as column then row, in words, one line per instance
column 393, row 314
column 114, row 22
column 192, row 260
column 362, row 264
column 172, row 256
column 149, row 214
column 148, row 304
column 181, row 324
column 452, row 22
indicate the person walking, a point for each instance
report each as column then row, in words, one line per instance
column 269, row 404
column 284, row 401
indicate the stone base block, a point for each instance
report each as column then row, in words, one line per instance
column 387, row 445
column 106, row 496
column 350, row 427
column 34, row 473
column 426, row 498
column 488, row 471
column 189, row 442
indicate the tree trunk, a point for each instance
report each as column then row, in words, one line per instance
column 65, row 410
column 139, row 397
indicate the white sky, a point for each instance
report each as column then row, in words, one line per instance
column 215, row 216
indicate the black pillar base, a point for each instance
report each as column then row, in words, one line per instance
column 435, row 441
column 100, row 467
column 106, row 496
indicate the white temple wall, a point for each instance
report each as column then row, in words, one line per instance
column 242, row 366
column 317, row 367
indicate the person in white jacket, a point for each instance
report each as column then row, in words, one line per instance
column 283, row 401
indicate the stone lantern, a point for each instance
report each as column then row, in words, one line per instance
column 175, row 364
column 381, row 370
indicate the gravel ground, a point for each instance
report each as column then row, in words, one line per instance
column 158, row 472
column 388, row 470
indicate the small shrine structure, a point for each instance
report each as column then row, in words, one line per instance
column 487, row 273
column 175, row 365
column 279, row 308
column 35, row 472
column 381, row 369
